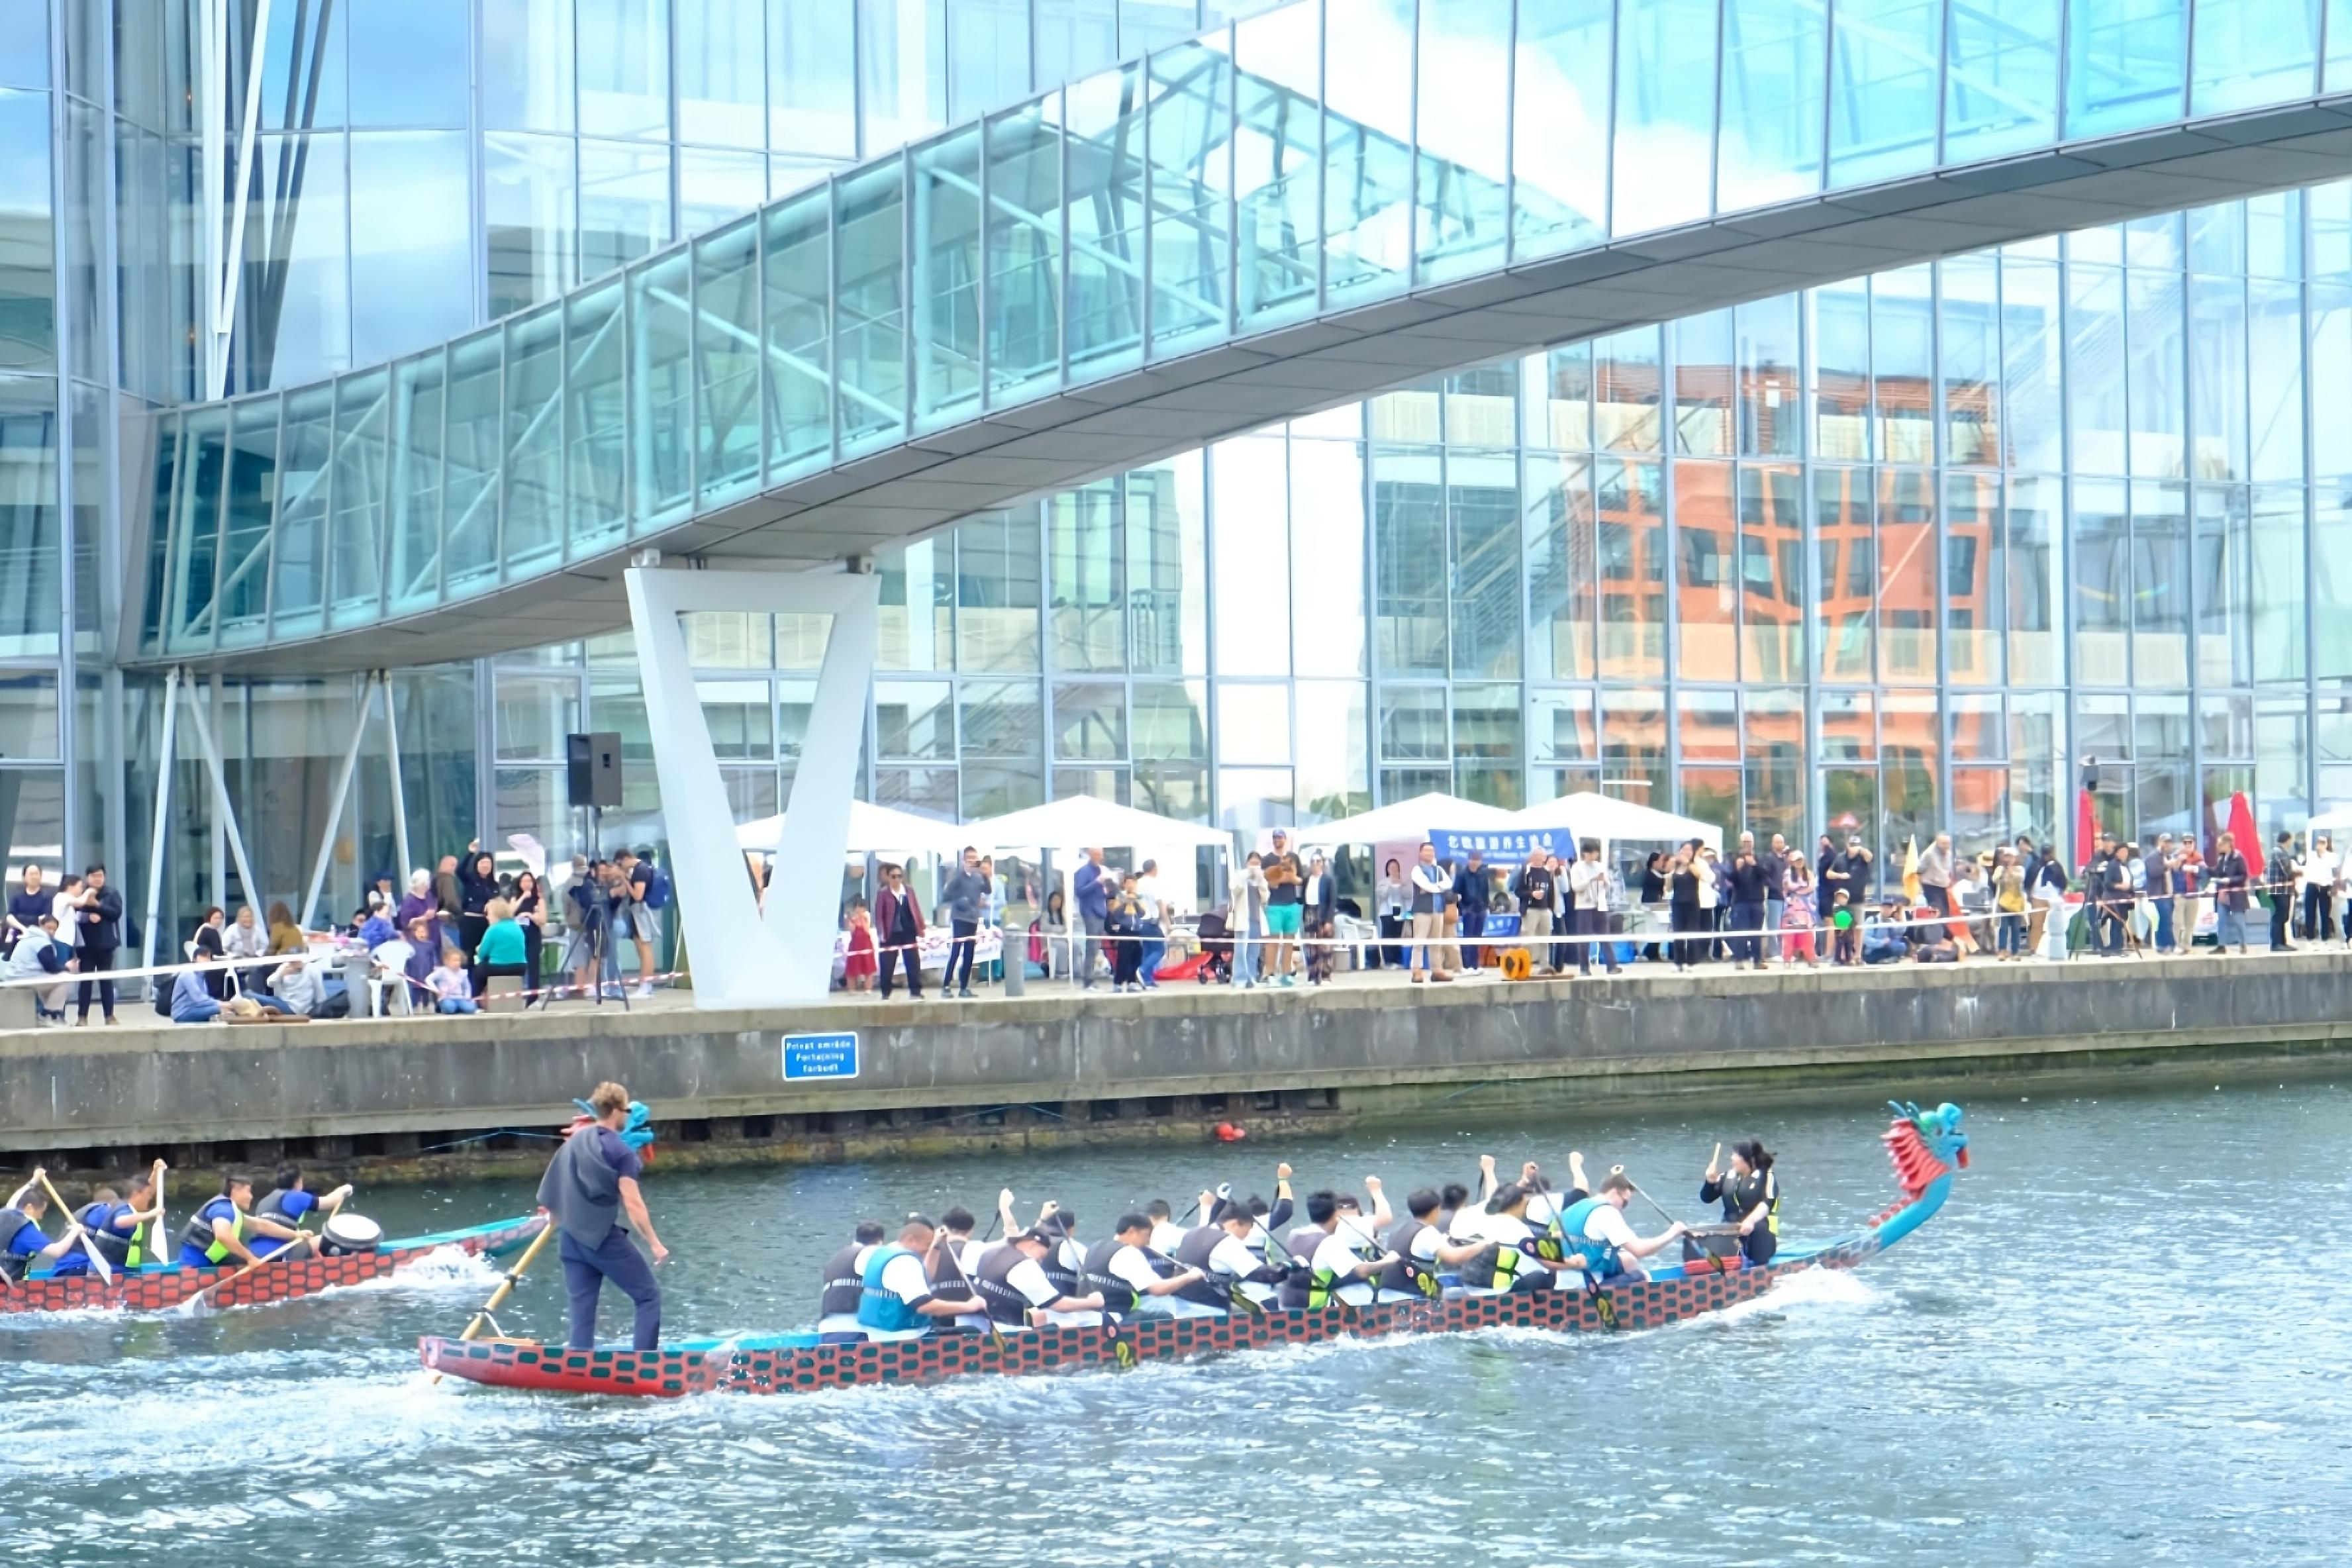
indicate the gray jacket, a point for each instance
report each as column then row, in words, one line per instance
column 964, row 895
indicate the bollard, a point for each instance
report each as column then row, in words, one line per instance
column 1016, row 971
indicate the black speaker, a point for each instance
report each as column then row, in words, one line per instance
column 592, row 770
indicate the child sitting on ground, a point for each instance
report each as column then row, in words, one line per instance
column 453, row 988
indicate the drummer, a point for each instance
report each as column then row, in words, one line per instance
column 226, row 1227
column 1750, row 1196
column 288, row 1200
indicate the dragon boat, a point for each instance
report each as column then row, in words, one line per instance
column 155, row 1287
column 1927, row 1148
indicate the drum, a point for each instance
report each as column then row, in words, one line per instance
column 348, row 1233
column 1711, row 1241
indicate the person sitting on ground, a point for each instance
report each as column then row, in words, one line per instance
column 225, row 1228
column 1883, row 940
column 1751, row 1196
column 1597, row 1231
column 500, row 951
column 38, row 951
column 288, row 1200
column 896, row 1297
column 453, row 991
column 295, row 987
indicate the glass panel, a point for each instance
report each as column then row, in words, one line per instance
column 28, row 332
column 947, row 280
column 401, row 52
column 1634, row 746
column 726, row 362
column 1409, row 550
column 713, row 187
column 741, row 718
column 1903, row 363
column 1367, row 148
column 1148, row 24
column 919, row 607
column 661, row 391
column 530, row 199
column 2252, row 52
column 1560, row 403
column 526, row 65
column 413, row 256
column 2224, row 585
column 2275, row 353
column 31, row 605
column 2331, row 584
column 1771, row 573
column 477, row 446
column 1171, row 721
column 914, row 720
column 2000, row 78
column 1769, row 148
column 1277, row 153
column 2101, row 562
column 2036, row 554
column 2030, row 356
column 1252, row 555
column 812, row 100
column 1560, row 543
column 1666, row 114
column 902, row 69
column 1089, row 723
column 362, row 412
column 2095, row 364
column 533, row 713
column 1105, row 305
column 1970, row 287
column 623, row 204
column 1254, row 725
column 2123, row 65
column 624, row 68
column 2159, row 612
column 2157, row 380
column 1167, row 552
column 1910, row 752
column 1003, row 718
column 1086, row 552
column 1628, row 380
column 997, row 590
column 1326, row 556
column 595, row 418
column 1883, row 105
column 1847, row 572
column 2280, row 582
column 987, row 54
column 1706, row 575
column 1908, row 596
column 1559, row 110
column 534, row 441
column 1192, row 186
column 870, row 313
column 1462, row 202
column 419, row 393
column 1485, row 590
column 298, row 572
column 1842, row 371
column 243, row 597
column 1074, row 36
column 1024, row 250
column 799, row 358
column 721, row 69
column 1631, row 500
column 1973, row 578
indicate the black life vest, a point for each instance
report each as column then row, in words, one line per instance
column 1193, row 1252
column 944, row 1266
column 1005, row 1304
column 1741, row 1193
column 843, row 1286
column 274, row 1208
column 11, row 1222
column 1060, row 1273
column 1117, row 1295
column 1410, row 1275
column 1496, row 1267
column 1300, row 1286
column 199, row 1234
column 96, row 1219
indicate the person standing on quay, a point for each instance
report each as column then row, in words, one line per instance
column 2286, row 872
column 1092, row 886
column 591, row 1180
column 2231, row 879
column 965, row 896
column 97, row 928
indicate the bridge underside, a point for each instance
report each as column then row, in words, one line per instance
column 1089, row 431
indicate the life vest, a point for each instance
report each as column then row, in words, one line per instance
column 842, row 1294
column 1005, row 1304
column 1061, row 1273
column 1117, row 1295
column 1741, row 1193
column 1193, row 1252
column 1308, row 1286
column 12, row 1223
column 274, row 1208
column 1410, row 1275
column 1600, row 1259
column 944, row 1266
column 1496, row 1267
column 199, row 1234
column 96, row 1220
column 879, row 1307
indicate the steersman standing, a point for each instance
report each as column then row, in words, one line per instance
column 590, row 1180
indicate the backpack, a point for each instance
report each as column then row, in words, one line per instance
column 657, row 890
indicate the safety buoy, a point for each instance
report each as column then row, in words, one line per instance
column 1517, row 965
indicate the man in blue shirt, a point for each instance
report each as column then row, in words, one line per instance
column 288, row 1200
column 1471, row 892
column 591, row 1180
column 1092, row 887
column 24, row 1245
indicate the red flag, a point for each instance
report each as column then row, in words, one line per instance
column 2242, row 829
column 2086, row 829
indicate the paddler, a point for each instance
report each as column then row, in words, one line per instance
column 1545, row 1202
column 1222, row 1253
column 1599, row 1233
column 1423, row 1250
column 1012, row 1281
column 124, row 1229
column 1514, row 1262
column 951, row 1261
column 1167, row 1235
column 842, row 1293
column 1064, row 1264
column 1119, row 1270
column 288, row 1200
column 593, row 1178
column 1750, row 1196
column 900, row 1301
column 1342, row 1260
column 226, row 1228
column 24, row 1245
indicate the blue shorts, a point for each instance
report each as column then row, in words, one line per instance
column 1281, row 919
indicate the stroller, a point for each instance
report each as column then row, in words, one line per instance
column 1216, row 949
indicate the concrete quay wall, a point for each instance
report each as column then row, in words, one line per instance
column 943, row 1075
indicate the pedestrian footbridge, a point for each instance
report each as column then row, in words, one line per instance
column 1321, row 202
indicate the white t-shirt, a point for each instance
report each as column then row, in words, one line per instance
column 1074, row 1259
column 904, row 1278
column 1512, row 1232
column 1336, row 1255
column 1147, row 890
column 1606, row 1223
column 1130, row 1265
column 69, row 922
column 1028, row 1277
column 1166, row 1237
column 1235, row 1260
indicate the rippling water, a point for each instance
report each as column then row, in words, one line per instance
column 2118, row 1344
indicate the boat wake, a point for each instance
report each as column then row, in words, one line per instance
column 1813, row 1290
column 443, row 1268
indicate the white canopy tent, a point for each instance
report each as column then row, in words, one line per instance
column 873, row 830
column 1083, row 822
column 2336, row 821
column 1409, row 820
column 1589, row 814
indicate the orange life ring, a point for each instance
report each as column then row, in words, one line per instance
column 1517, row 965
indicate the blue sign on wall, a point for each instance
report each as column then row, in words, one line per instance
column 1503, row 845
column 820, row 1056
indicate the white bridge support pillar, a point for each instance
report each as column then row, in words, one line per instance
column 740, row 957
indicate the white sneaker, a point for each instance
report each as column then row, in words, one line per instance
column 644, row 989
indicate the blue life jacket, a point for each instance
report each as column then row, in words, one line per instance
column 878, row 1308
column 1600, row 1259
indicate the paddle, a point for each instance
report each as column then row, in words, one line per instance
column 262, row 1261
column 74, row 1227
column 1670, row 1219
column 155, row 1231
column 512, row 1278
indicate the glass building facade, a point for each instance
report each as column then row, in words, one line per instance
column 1895, row 554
